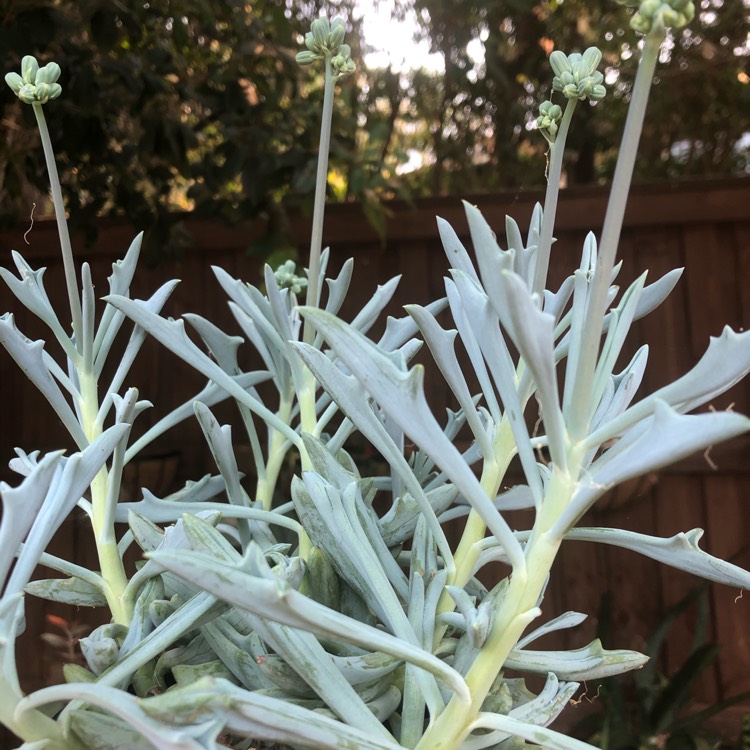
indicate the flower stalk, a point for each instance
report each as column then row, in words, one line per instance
column 591, row 338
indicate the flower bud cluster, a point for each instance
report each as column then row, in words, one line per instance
column 325, row 41
column 576, row 75
column 660, row 14
column 35, row 84
column 549, row 118
column 286, row 277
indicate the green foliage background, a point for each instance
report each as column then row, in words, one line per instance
column 198, row 105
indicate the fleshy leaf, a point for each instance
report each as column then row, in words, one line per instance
column 660, row 440
column 67, row 591
column 589, row 663
column 272, row 599
column 679, row 551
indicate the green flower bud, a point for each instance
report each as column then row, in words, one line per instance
column 576, row 75
column 27, row 93
column 658, row 15
column 286, row 277
column 325, row 41
column 14, row 81
column 35, row 85
column 306, row 57
column 336, row 35
column 320, row 29
column 548, row 121
column 29, row 67
column 342, row 62
column 48, row 74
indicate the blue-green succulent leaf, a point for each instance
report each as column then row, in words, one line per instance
column 589, row 663
column 272, row 599
column 680, row 551
column 30, row 357
column 400, row 394
column 171, row 333
column 73, row 591
column 260, row 716
column 509, row 726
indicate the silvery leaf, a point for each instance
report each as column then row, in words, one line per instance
column 147, row 535
column 651, row 297
column 563, row 621
column 219, row 439
column 211, row 395
column 338, row 287
column 622, row 318
column 260, row 716
column 398, row 524
column 30, row 357
column 154, row 305
column 555, row 302
column 306, row 656
column 165, row 510
column 34, row 723
column 119, row 282
column 680, row 551
column 400, row 394
column 491, row 259
column 20, row 508
column 456, row 253
column 269, row 598
column 399, row 330
column 660, row 440
column 124, row 706
column 29, row 290
column 72, row 478
column 465, row 295
column 546, row 707
column 367, row 316
column 441, row 344
column 508, row 726
column 623, row 387
column 532, row 331
column 72, row 591
column 330, row 518
column 141, row 625
column 172, row 335
column 354, row 403
column 222, row 346
column 589, row 663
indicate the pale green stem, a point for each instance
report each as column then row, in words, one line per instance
column 475, row 528
column 557, row 152
column 591, row 336
column 71, row 280
column 277, row 450
column 321, row 182
column 102, row 519
column 516, row 610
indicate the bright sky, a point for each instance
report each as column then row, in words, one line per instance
column 393, row 40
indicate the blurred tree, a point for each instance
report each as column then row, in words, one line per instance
column 172, row 106
column 496, row 73
column 167, row 107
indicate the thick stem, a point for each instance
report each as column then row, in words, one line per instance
column 591, row 337
column 277, row 450
column 321, row 182
column 557, row 152
column 71, row 280
column 102, row 521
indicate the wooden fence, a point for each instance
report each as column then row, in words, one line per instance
column 703, row 226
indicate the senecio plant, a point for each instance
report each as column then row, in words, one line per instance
column 295, row 612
